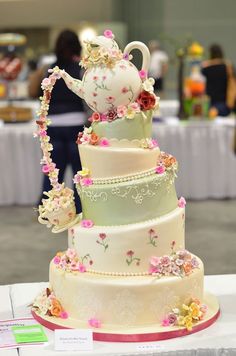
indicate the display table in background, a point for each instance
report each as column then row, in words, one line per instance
column 203, row 150
column 218, row 339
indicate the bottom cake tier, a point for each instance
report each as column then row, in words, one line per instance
column 121, row 301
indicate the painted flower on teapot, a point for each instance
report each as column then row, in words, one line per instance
column 110, row 79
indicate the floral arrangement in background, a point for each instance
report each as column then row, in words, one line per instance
column 187, row 315
column 47, row 304
column 180, row 263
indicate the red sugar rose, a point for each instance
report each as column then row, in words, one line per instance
column 146, row 100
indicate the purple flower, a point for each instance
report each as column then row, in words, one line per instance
column 172, row 318
column 194, row 262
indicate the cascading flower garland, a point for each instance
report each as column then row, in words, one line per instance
column 59, row 196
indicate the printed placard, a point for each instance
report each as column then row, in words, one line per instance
column 73, row 340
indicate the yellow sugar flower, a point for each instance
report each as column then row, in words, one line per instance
column 188, row 322
column 85, row 172
column 130, row 113
column 194, row 311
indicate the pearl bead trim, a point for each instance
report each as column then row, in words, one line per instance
column 118, row 274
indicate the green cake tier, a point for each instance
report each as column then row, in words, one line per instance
column 138, row 128
column 129, row 199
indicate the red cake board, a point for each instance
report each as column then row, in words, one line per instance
column 145, row 334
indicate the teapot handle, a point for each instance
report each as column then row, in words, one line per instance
column 145, row 52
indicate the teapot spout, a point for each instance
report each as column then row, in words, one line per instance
column 73, row 84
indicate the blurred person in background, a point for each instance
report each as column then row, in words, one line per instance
column 158, row 65
column 66, row 110
column 220, row 81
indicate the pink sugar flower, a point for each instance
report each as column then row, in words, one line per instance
column 43, row 133
column 121, row 110
column 46, row 168
column 82, row 268
column 64, row 315
column 87, row 223
column 135, row 106
column 181, row 202
column 160, row 169
column 46, row 82
column 94, row 323
column 165, row 322
column 154, row 143
column 57, row 260
column 103, row 117
column 86, row 181
column 152, row 270
column 74, row 266
column 154, row 261
column 104, row 142
column 76, row 179
column 165, row 260
column 142, row 74
column 71, row 253
column 108, row 34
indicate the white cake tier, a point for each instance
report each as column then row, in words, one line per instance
column 123, row 301
column 127, row 249
column 112, row 161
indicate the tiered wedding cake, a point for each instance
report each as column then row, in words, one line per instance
column 126, row 271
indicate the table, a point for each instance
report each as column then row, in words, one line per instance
column 207, row 163
column 219, row 339
column 203, row 150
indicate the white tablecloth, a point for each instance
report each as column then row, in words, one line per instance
column 218, row 339
column 207, row 164
column 203, row 150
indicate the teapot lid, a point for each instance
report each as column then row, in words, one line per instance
column 102, row 50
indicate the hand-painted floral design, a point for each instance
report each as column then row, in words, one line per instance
column 87, row 258
column 69, row 261
column 94, row 323
column 180, row 263
column 152, row 237
column 103, row 241
column 47, row 304
column 131, row 258
column 187, row 315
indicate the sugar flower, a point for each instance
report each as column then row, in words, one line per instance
column 82, row 268
column 121, row 111
column 64, row 315
column 130, row 113
column 57, row 260
column 108, row 34
column 181, row 202
column 142, row 74
column 94, row 323
column 76, row 178
column 148, row 85
column 85, row 172
column 104, row 142
column 87, row 223
column 160, row 169
column 86, row 182
column 95, row 117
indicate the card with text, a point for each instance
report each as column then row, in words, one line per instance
column 73, row 340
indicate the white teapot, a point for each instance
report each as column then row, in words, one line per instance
column 110, row 79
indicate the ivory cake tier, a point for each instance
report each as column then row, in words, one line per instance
column 123, row 301
column 107, row 246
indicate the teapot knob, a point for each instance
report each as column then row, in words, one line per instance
column 145, row 52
